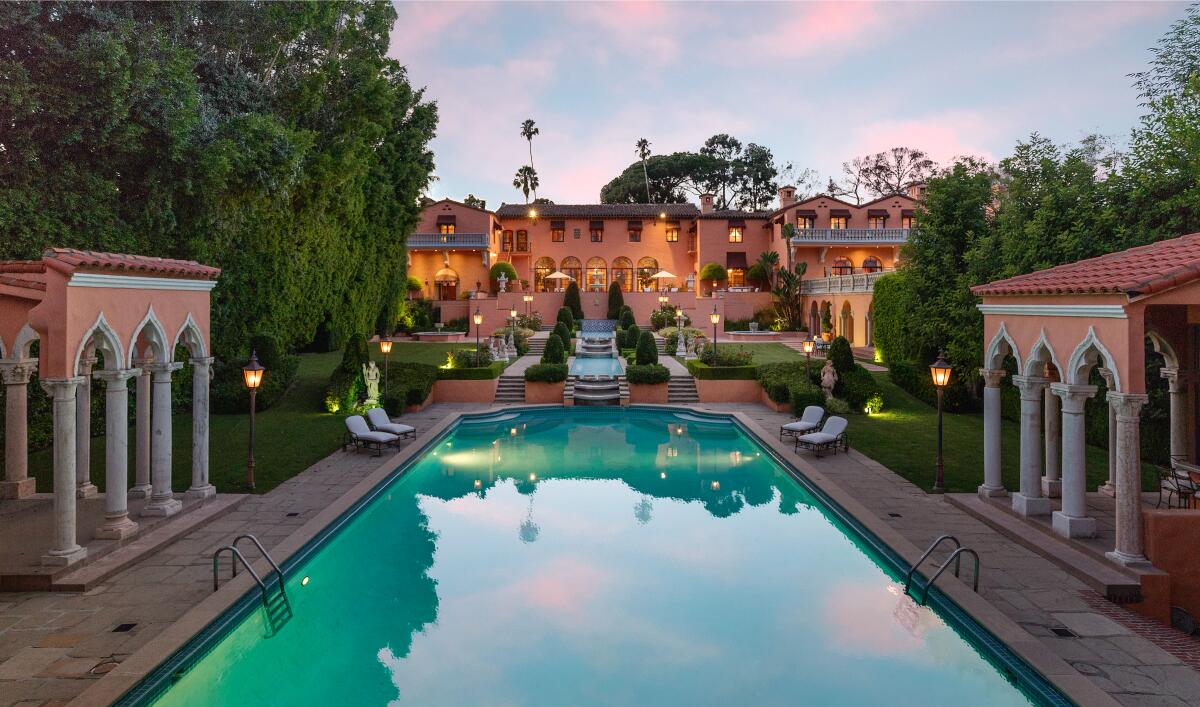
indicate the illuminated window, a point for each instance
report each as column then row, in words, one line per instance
column 446, row 229
column 543, row 267
column 735, row 235
column 838, row 222
column 622, row 273
column 558, row 235
column 877, row 222
column 672, row 234
column 522, row 241
column 506, row 241
column 597, row 274
column 872, row 264
column 737, row 277
column 804, row 222
column 906, row 222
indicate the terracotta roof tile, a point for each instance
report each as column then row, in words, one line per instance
column 735, row 213
column 599, row 211
column 131, row 264
column 1137, row 271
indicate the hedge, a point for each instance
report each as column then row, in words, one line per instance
column 546, row 373
column 648, row 374
column 856, row 386
column 703, row 371
column 647, row 349
column 841, row 355
column 492, row 370
column 803, row 394
column 408, row 384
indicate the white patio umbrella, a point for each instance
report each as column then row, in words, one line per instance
column 559, row 275
column 660, row 276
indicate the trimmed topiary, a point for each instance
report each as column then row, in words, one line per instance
column 632, row 336
column 555, row 351
column 565, row 316
column 564, row 333
column 650, row 374
column 626, row 317
column 571, row 301
column 713, row 272
column 546, row 372
column 616, row 301
column 841, row 355
column 647, row 350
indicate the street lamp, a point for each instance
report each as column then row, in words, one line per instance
column 681, row 346
column 385, row 347
column 477, row 317
column 715, row 317
column 512, row 314
column 940, row 370
column 252, row 375
column 528, row 303
column 662, row 300
column 809, row 345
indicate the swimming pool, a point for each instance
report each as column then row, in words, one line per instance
column 596, row 367
column 558, row 556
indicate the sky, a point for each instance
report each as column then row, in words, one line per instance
column 817, row 83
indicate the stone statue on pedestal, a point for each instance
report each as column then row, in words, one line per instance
column 829, row 378
column 502, row 281
column 371, row 378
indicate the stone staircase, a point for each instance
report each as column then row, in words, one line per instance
column 662, row 345
column 510, row 389
column 537, row 346
column 594, row 390
column 682, row 389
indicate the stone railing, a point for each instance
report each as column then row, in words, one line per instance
column 863, row 282
column 439, row 241
column 819, row 236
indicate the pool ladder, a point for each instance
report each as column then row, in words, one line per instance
column 955, row 557
column 278, row 608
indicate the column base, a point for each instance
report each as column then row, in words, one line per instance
column 1107, row 489
column 117, row 528
column 1073, row 526
column 63, row 558
column 201, row 492
column 86, row 490
column 1028, row 506
column 141, row 491
column 166, row 507
column 1127, row 560
column 1051, row 488
column 986, row 491
column 10, row 490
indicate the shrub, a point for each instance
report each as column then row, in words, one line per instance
column 856, row 386
column 546, row 373
column 803, row 394
column 703, row 371
column 647, row 351
column 756, row 273
column 616, row 301
column 632, row 336
column 778, row 378
column 626, row 317
column 713, row 272
column 408, row 384
column 572, row 302
column 874, row 404
column 664, row 317
column 555, row 352
column 564, row 333
column 532, row 321
column 346, row 383
column 565, row 316
column 840, row 354
column 837, row 406
column 725, row 356
column 827, row 317
column 648, row 374
column 509, row 272
column 461, row 324
column 491, row 370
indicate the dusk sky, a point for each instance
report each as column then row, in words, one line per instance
column 816, row 83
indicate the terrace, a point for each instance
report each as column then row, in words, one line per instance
column 443, row 241
column 843, row 236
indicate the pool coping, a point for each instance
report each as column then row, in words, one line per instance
column 144, row 661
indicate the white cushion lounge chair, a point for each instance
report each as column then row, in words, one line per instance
column 379, row 419
column 809, row 421
column 362, row 437
column 831, row 436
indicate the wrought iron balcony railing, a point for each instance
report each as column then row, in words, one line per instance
column 825, row 236
column 442, row 241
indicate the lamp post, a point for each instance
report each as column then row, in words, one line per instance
column 477, row 317
column 252, row 374
column 385, row 347
column 528, row 303
column 809, row 345
column 715, row 317
column 940, row 370
column 512, row 314
column 680, row 337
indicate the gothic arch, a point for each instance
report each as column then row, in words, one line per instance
column 189, row 335
column 1040, row 354
column 1002, row 344
column 1087, row 354
column 155, row 337
column 101, row 336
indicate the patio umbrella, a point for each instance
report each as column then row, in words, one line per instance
column 660, row 276
column 559, row 275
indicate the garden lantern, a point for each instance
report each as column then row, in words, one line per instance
column 528, row 303
column 512, row 314
column 809, row 345
column 715, row 318
column 252, row 375
column 385, row 347
column 477, row 317
column 940, row 371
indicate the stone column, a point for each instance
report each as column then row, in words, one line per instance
column 65, row 549
column 1052, row 479
column 15, row 375
column 201, row 376
column 993, row 485
column 141, row 434
column 1029, row 500
column 1178, row 422
column 117, row 523
column 162, row 501
column 1129, row 550
column 1109, row 487
column 1072, row 520
column 84, row 488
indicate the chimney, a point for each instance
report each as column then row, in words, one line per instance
column 787, row 196
column 706, row 203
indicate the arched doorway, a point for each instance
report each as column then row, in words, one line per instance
column 622, row 273
column 843, row 266
column 445, row 282
column 871, row 324
column 846, row 322
column 597, row 274
column 543, row 267
column 872, row 264
column 572, row 267
column 646, row 267
column 814, row 319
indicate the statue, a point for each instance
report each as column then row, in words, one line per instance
column 829, row 378
column 502, row 281
column 371, row 377
column 691, row 348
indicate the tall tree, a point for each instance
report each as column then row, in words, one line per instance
column 475, row 201
column 755, row 174
column 853, row 184
column 528, row 130
column 526, row 180
column 895, row 170
column 643, row 151
column 721, row 178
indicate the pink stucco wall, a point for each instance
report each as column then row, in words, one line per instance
column 465, row 391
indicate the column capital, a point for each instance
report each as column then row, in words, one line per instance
column 118, row 376
column 1031, row 387
column 1174, row 378
column 162, row 371
column 1073, row 396
column 61, row 389
column 992, row 376
column 202, row 360
column 85, row 364
column 1127, row 406
column 18, row 371
column 1107, row 375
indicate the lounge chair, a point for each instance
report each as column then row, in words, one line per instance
column 379, row 419
column 362, row 437
column 831, row 436
column 809, row 421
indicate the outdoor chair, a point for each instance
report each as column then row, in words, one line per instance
column 1176, row 484
column 379, row 419
column 809, row 421
column 362, row 437
column 832, row 436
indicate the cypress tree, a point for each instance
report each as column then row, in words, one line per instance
column 565, row 316
column 616, row 301
column 571, row 301
column 633, row 336
column 647, row 351
column 564, row 333
column 554, row 353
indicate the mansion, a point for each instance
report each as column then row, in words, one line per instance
column 846, row 248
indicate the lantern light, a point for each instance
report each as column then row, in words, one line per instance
column 715, row 317
column 940, row 370
column 809, row 345
column 252, row 372
column 385, row 345
column 477, row 317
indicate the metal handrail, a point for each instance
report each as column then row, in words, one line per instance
column 955, row 557
column 236, row 555
column 263, row 551
column 929, row 551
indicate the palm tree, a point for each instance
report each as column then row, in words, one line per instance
column 528, row 130
column 643, row 151
column 769, row 260
column 526, row 180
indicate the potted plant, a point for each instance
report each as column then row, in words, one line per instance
column 826, row 322
column 714, row 273
column 544, row 382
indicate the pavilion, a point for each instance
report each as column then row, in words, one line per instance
column 105, row 317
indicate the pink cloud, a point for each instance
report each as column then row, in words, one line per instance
column 1067, row 30
column 649, row 29
column 943, row 136
column 421, row 24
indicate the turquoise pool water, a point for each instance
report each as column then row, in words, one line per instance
column 595, row 557
column 595, row 367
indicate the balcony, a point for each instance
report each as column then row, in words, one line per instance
column 850, row 236
column 861, row 282
column 448, row 241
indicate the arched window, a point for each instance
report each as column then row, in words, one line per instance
column 622, row 272
column 646, row 267
column 597, row 274
column 572, row 267
column 543, row 267
column 872, row 264
column 843, row 266
column 446, row 281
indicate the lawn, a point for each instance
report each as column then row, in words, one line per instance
column 769, row 352
column 904, row 438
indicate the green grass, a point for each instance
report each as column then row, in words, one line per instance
column 433, row 354
column 904, row 438
column 768, row 352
